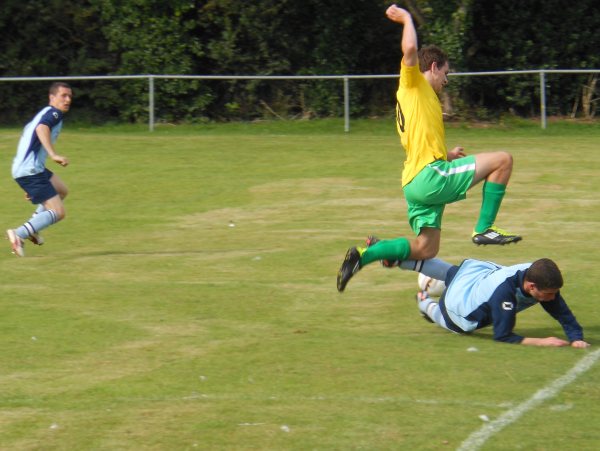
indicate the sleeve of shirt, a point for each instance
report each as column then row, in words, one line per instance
column 559, row 310
column 504, row 314
column 51, row 117
column 409, row 75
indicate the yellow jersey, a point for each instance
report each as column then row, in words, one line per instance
column 419, row 122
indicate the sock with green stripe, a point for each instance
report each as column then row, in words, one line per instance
column 397, row 249
column 493, row 193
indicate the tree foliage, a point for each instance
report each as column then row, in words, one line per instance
column 47, row 38
column 269, row 37
column 538, row 34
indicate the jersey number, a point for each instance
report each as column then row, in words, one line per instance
column 400, row 117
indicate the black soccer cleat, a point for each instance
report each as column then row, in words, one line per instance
column 350, row 266
column 494, row 235
column 371, row 240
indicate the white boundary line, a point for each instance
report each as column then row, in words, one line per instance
column 479, row 437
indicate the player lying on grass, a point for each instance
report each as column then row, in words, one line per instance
column 480, row 293
column 432, row 176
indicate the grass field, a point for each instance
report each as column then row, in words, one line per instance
column 188, row 300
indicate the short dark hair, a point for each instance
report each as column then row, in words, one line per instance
column 54, row 87
column 545, row 274
column 431, row 54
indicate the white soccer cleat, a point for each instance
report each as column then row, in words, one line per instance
column 36, row 239
column 423, row 296
column 16, row 242
column 433, row 287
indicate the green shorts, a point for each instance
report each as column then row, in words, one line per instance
column 439, row 183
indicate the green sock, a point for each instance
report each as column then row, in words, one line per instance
column 493, row 193
column 398, row 249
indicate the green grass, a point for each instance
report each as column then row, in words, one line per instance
column 188, row 300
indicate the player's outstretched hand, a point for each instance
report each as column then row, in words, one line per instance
column 63, row 161
column 580, row 344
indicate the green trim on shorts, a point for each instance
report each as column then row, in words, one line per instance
column 438, row 184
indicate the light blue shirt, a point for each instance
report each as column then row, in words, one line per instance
column 474, row 284
column 31, row 155
column 483, row 293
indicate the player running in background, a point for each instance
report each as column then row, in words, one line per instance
column 479, row 294
column 42, row 187
column 432, row 176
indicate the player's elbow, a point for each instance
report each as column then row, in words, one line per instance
column 409, row 48
column 424, row 248
column 409, row 54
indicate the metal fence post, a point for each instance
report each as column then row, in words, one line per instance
column 151, row 103
column 346, row 105
column 543, row 98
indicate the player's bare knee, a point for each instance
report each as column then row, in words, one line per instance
column 506, row 160
column 422, row 250
column 60, row 214
column 429, row 252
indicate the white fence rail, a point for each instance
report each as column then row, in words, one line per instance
column 541, row 73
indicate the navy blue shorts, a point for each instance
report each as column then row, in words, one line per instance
column 38, row 186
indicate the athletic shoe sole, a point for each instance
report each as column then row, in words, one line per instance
column 350, row 266
column 16, row 243
column 484, row 239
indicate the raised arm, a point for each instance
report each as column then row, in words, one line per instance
column 409, row 34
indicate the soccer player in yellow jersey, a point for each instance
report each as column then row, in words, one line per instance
column 433, row 176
